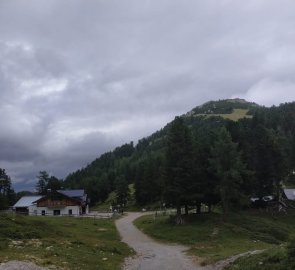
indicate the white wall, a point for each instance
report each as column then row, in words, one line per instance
column 32, row 210
column 49, row 211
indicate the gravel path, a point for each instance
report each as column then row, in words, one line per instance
column 18, row 265
column 152, row 255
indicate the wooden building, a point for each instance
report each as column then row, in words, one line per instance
column 59, row 203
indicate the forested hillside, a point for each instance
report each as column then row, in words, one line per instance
column 201, row 157
column 7, row 194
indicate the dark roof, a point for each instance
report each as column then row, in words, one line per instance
column 77, row 193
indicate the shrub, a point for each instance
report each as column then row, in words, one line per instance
column 291, row 251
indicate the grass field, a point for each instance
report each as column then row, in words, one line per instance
column 235, row 115
column 273, row 259
column 63, row 242
column 211, row 237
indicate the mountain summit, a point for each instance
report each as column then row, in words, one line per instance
column 232, row 109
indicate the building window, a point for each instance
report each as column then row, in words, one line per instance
column 56, row 212
column 70, row 212
column 43, row 212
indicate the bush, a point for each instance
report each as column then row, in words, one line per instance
column 3, row 243
column 291, row 251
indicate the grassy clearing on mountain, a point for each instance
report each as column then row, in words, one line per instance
column 211, row 237
column 63, row 242
column 235, row 115
column 112, row 198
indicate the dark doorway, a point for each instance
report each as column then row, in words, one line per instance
column 56, row 212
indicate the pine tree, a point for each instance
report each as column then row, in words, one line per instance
column 7, row 194
column 178, row 169
column 227, row 166
column 42, row 183
column 53, row 184
column 122, row 190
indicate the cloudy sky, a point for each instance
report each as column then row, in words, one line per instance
column 78, row 78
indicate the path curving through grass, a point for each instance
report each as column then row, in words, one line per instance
column 151, row 254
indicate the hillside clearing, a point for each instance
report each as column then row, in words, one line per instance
column 234, row 116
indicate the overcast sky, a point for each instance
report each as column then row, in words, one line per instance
column 78, row 78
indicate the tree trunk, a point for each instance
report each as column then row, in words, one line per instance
column 186, row 209
column 209, row 208
column 198, row 208
column 178, row 209
column 179, row 220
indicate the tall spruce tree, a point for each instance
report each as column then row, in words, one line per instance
column 178, row 169
column 42, row 183
column 227, row 166
column 122, row 190
column 7, row 195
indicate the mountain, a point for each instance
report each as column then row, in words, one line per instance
column 264, row 137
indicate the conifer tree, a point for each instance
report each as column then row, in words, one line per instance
column 42, row 183
column 7, row 194
column 178, row 169
column 227, row 166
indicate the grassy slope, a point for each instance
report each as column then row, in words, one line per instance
column 130, row 206
column 210, row 237
column 68, row 243
column 235, row 115
column 273, row 259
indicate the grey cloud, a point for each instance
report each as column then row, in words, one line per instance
column 82, row 77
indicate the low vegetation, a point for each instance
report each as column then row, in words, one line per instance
column 234, row 116
column 214, row 238
column 65, row 243
column 279, row 258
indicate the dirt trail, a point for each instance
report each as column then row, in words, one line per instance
column 19, row 265
column 152, row 255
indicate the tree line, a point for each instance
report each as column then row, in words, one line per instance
column 7, row 194
column 191, row 161
column 195, row 160
column 222, row 161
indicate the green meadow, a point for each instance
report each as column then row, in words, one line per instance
column 211, row 237
column 62, row 242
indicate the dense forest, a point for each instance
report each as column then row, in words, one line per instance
column 7, row 194
column 201, row 159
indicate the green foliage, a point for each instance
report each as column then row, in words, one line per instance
column 223, row 106
column 227, row 166
column 122, row 190
column 42, row 183
column 261, row 157
column 54, row 184
column 7, row 194
column 291, row 252
column 98, row 178
column 272, row 259
column 179, row 166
